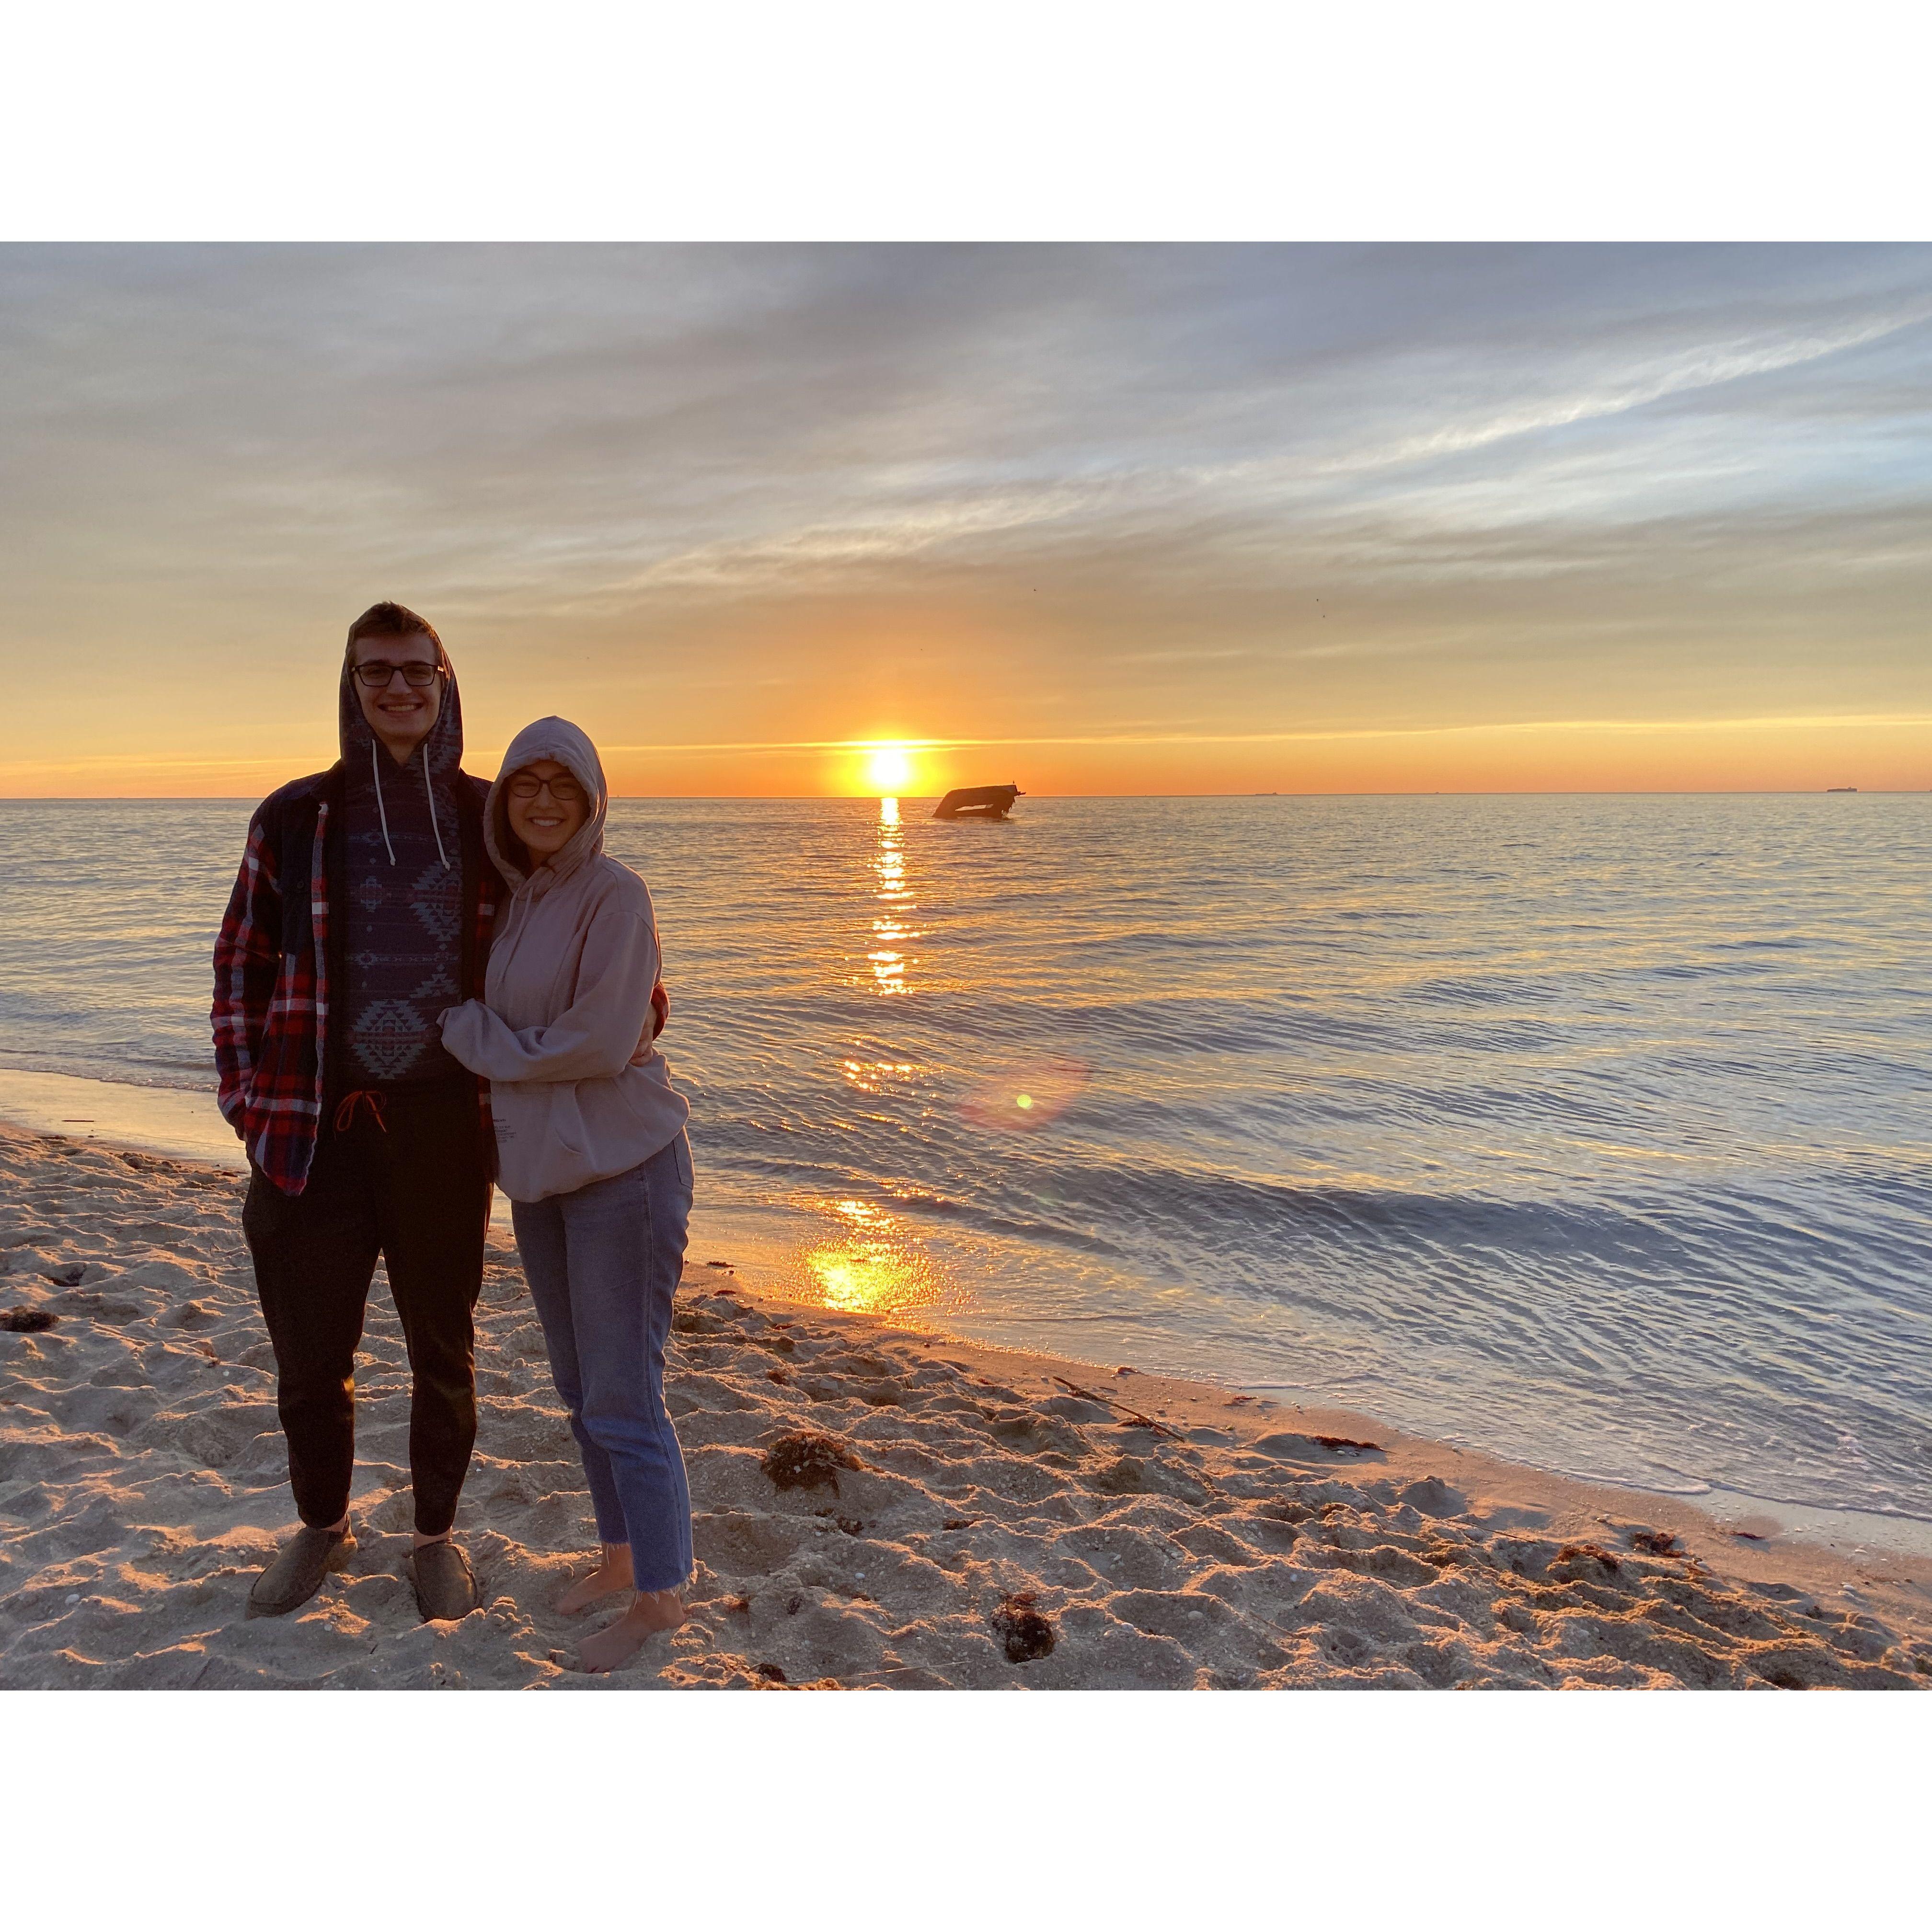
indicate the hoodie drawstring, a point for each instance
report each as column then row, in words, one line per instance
column 382, row 810
column 345, row 1113
column 429, row 793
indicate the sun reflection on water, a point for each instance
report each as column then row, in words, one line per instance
column 871, row 1267
column 890, row 925
column 872, row 1076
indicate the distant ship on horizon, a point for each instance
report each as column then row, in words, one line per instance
column 1832, row 788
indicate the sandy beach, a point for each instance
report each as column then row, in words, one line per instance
column 956, row 1517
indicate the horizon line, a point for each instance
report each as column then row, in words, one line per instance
column 1125, row 740
column 867, row 797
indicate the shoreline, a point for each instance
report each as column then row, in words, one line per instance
column 182, row 1123
column 1169, row 1532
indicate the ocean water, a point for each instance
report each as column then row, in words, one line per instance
column 1593, row 1131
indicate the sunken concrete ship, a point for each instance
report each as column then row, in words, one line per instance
column 978, row 802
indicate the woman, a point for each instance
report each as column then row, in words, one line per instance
column 592, row 1154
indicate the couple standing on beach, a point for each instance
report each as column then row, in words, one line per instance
column 425, row 984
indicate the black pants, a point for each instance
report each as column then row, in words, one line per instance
column 416, row 1192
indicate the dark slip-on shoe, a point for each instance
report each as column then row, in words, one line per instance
column 446, row 1585
column 297, row 1572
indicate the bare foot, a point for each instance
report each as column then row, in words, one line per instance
column 652, row 1611
column 613, row 1573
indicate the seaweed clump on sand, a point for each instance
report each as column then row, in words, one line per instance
column 1019, row 1625
column 805, row 1460
column 26, row 1321
column 1590, row 1560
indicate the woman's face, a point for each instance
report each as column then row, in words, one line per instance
column 546, row 807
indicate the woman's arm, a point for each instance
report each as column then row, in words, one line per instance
column 596, row 1036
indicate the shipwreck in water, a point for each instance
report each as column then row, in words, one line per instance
column 978, row 802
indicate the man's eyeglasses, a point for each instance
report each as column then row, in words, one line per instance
column 564, row 791
column 417, row 676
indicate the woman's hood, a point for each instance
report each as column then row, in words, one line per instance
column 548, row 738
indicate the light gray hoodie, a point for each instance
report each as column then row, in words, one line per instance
column 567, row 995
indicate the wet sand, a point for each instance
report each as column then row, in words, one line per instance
column 985, row 1519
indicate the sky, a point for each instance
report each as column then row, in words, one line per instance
column 1090, row 518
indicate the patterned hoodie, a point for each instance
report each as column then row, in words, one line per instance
column 402, row 917
column 279, row 957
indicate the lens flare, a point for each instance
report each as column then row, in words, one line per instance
column 1026, row 1096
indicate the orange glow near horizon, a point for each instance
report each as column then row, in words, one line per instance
column 1788, row 754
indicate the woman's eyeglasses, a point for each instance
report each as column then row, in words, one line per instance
column 564, row 791
column 417, row 676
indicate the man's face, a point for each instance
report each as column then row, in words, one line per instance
column 399, row 712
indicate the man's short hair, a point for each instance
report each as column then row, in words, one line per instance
column 391, row 620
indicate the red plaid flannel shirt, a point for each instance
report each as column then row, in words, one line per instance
column 271, row 1010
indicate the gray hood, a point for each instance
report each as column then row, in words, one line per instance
column 548, row 738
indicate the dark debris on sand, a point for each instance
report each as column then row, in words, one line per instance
column 1020, row 1627
column 806, row 1460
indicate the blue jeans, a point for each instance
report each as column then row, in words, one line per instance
column 603, row 1263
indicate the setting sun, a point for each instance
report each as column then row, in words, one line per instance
column 889, row 770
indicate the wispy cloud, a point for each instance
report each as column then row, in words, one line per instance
column 1523, row 726
column 1704, row 366
column 729, row 499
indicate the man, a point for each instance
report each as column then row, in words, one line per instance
column 363, row 909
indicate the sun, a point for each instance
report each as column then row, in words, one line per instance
column 889, row 770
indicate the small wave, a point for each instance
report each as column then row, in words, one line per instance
column 160, row 1075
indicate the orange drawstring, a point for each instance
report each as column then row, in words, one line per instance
column 345, row 1114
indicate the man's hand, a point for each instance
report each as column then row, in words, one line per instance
column 655, row 1025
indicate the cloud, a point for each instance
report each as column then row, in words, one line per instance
column 856, row 479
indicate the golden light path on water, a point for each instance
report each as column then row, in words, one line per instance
column 872, row 1265
column 874, row 1262
column 889, row 929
